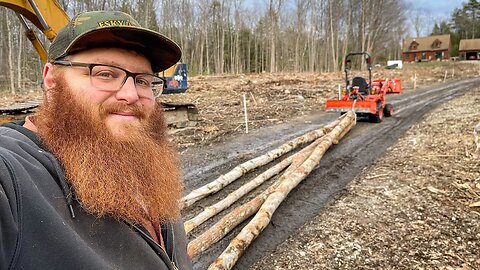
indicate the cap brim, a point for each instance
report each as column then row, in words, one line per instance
column 160, row 50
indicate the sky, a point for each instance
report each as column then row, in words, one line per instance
column 433, row 10
column 437, row 8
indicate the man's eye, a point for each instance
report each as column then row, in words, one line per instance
column 105, row 75
column 142, row 82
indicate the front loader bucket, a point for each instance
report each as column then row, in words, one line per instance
column 359, row 106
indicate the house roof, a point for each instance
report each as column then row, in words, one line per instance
column 427, row 43
column 469, row 45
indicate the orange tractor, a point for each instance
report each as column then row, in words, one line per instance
column 365, row 97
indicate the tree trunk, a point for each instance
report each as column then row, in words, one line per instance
column 20, row 79
column 347, row 33
column 332, row 39
column 10, row 64
column 292, row 161
column 236, row 195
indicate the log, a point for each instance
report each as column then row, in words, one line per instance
column 235, row 196
column 345, row 131
column 247, row 166
column 241, row 213
column 250, row 232
column 216, row 208
column 225, row 225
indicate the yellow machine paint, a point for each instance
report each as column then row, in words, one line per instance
column 47, row 16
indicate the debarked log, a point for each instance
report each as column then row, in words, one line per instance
column 250, row 232
column 247, row 166
column 241, row 213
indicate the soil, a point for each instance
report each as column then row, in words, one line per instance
column 406, row 204
column 412, row 230
column 412, row 209
column 358, row 152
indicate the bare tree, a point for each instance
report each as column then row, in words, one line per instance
column 235, row 36
column 302, row 7
column 10, row 48
column 19, row 75
column 274, row 9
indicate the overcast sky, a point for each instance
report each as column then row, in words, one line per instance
column 437, row 8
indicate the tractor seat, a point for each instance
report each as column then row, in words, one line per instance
column 362, row 85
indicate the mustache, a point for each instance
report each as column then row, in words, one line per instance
column 137, row 110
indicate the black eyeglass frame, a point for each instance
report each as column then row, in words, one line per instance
column 128, row 73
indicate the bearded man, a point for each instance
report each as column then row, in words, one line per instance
column 90, row 181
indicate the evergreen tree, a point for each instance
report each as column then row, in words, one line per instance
column 466, row 20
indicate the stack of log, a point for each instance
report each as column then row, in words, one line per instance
column 295, row 168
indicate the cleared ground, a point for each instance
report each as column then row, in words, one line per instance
column 411, row 209
column 355, row 239
column 357, row 152
column 414, row 175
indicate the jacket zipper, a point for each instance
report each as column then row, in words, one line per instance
column 173, row 247
column 171, row 264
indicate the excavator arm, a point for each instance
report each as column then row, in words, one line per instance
column 46, row 15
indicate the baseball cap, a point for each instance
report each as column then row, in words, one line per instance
column 95, row 29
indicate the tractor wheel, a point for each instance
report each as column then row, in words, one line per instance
column 378, row 117
column 388, row 110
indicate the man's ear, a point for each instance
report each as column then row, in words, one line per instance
column 48, row 80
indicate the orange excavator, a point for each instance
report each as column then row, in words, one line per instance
column 364, row 96
column 49, row 17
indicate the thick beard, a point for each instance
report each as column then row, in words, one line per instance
column 135, row 177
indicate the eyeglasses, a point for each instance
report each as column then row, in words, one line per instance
column 112, row 78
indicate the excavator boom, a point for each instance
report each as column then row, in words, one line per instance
column 48, row 16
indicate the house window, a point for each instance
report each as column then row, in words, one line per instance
column 413, row 46
column 436, row 44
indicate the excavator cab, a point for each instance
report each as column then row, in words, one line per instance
column 175, row 79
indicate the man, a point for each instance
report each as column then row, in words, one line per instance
column 90, row 181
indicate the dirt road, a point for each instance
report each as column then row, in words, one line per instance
column 363, row 145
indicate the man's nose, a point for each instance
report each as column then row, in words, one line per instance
column 128, row 91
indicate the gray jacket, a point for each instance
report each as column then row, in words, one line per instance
column 43, row 227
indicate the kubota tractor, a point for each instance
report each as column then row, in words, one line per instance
column 365, row 97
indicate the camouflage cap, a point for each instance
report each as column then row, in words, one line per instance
column 114, row 29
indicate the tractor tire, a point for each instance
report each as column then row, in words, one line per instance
column 378, row 117
column 388, row 110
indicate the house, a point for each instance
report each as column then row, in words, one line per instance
column 469, row 49
column 426, row 48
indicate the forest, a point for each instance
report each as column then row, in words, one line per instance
column 243, row 36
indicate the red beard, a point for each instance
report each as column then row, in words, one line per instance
column 135, row 177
